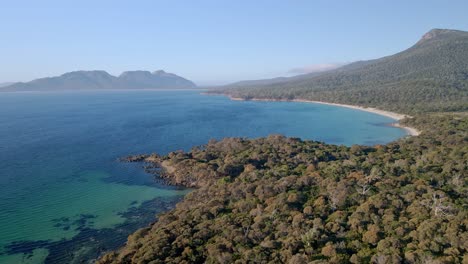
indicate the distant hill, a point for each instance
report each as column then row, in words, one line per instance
column 93, row 80
column 432, row 75
column 277, row 80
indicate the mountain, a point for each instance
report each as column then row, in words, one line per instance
column 95, row 80
column 277, row 80
column 431, row 75
column 158, row 79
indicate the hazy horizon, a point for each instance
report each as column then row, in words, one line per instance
column 210, row 42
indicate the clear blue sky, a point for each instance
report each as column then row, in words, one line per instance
column 210, row 41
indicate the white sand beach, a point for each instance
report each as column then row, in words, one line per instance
column 410, row 130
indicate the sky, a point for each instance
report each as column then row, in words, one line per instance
column 210, row 42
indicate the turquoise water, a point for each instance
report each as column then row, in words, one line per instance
column 64, row 196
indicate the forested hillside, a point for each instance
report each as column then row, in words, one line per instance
column 284, row 200
column 432, row 75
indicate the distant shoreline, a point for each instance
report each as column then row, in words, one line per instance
column 107, row 90
column 409, row 130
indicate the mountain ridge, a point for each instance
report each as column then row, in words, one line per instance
column 274, row 80
column 100, row 79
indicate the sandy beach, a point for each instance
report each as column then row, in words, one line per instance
column 410, row 130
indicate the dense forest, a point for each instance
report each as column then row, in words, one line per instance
column 285, row 200
column 430, row 76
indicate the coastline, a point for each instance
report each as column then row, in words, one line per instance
column 397, row 117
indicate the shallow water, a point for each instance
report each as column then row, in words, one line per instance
column 64, row 196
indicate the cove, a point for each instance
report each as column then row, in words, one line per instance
column 64, row 196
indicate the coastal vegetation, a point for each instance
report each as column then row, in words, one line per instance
column 285, row 200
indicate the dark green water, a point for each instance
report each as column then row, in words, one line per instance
column 65, row 198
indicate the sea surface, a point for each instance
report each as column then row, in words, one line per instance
column 64, row 196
